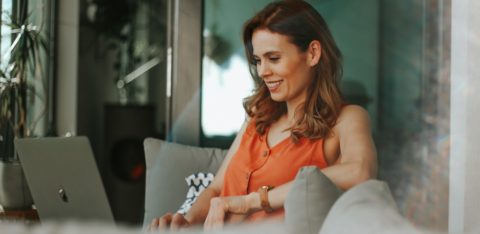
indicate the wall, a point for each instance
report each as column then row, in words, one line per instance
column 67, row 57
column 465, row 134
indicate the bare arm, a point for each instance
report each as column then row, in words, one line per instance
column 358, row 157
column 357, row 163
column 198, row 212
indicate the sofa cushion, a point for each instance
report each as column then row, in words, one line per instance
column 309, row 200
column 167, row 166
column 366, row 208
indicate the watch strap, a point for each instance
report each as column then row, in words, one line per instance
column 264, row 203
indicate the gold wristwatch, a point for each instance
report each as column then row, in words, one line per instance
column 264, row 203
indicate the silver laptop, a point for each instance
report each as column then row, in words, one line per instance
column 63, row 178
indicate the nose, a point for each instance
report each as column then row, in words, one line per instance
column 263, row 70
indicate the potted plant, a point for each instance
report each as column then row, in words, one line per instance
column 20, row 71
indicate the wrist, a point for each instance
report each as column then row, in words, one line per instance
column 253, row 201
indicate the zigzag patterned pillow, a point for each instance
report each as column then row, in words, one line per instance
column 196, row 182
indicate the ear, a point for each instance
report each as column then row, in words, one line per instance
column 314, row 53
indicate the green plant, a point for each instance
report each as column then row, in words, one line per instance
column 19, row 70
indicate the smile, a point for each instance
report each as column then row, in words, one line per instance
column 273, row 85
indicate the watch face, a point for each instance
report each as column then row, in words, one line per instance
column 267, row 187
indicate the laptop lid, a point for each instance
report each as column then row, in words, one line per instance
column 63, row 178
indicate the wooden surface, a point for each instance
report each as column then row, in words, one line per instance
column 19, row 215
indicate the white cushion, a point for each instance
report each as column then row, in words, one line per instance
column 196, row 182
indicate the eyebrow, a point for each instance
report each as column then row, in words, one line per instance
column 267, row 54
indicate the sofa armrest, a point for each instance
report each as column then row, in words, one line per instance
column 167, row 166
column 368, row 207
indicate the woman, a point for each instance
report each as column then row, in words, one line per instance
column 296, row 117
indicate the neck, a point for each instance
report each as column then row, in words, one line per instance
column 292, row 105
column 291, row 108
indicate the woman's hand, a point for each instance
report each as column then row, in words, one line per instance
column 169, row 221
column 235, row 207
column 216, row 213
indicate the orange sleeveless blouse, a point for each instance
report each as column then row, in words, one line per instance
column 256, row 164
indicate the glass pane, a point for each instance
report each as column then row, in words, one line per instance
column 6, row 9
column 121, row 93
column 121, row 62
column 26, row 84
column 225, row 79
column 40, row 110
column 414, row 116
column 396, row 65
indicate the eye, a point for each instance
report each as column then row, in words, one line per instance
column 256, row 61
column 274, row 59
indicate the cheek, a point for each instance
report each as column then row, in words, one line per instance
column 299, row 79
column 296, row 72
column 287, row 69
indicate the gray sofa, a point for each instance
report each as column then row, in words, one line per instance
column 315, row 205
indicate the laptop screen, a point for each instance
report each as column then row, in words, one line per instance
column 64, row 179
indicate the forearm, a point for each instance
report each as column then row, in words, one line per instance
column 199, row 210
column 343, row 176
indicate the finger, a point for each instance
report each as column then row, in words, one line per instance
column 214, row 223
column 153, row 224
column 178, row 221
column 215, row 218
column 164, row 221
column 208, row 221
column 219, row 221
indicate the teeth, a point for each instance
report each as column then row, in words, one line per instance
column 274, row 84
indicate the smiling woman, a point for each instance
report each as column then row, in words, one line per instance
column 290, row 46
column 296, row 117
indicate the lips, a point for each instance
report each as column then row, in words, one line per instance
column 273, row 85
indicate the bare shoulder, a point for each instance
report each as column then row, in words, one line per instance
column 353, row 115
column 353, row 111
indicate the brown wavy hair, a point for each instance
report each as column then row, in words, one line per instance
column 302, row 24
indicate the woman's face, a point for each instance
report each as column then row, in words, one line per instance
column 282, row 66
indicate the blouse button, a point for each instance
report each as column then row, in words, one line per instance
column 247, row 176
column 265, row 153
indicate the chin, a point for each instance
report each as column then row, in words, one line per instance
column 277, row 98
